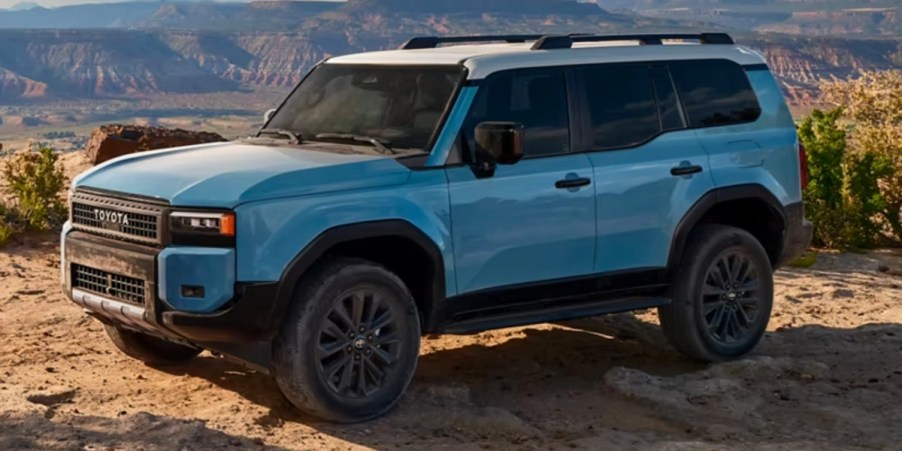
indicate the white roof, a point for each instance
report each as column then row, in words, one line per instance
column 483, row 60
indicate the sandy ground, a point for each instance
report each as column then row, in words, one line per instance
column 828, row 375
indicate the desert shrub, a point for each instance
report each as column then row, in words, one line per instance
column 8, row 224
column 825, row 143
column 34, row 179
column 872, row 104
column 843, row 197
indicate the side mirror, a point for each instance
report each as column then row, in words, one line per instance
column 502, row 140
column 268, row 115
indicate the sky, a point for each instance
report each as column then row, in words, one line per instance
column 55, row 3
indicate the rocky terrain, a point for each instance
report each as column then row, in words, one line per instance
column 827, row 376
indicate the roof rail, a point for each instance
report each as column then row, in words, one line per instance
column 566, row 42
column 431, row 42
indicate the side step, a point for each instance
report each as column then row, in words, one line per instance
column 547, row 313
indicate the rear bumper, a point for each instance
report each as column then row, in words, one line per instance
column 798, row 235
column 244, row 318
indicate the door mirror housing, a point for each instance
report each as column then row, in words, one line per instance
column 503, row 141
column 268, row 115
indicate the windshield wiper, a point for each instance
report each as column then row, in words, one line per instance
column 358, row 138
column 282, row 132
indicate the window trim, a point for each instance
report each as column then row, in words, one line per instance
column 577, row 102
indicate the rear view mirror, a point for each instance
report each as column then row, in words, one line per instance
column 502, row 140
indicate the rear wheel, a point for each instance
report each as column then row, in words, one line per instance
column 350, row 344
column 722, row 295
column 149, row 349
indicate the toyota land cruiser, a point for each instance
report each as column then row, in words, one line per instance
column 451, row 186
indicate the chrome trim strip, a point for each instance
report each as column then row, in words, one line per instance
column 127, row 314
column 188, row 214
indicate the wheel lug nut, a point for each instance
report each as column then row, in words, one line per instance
column 349, row 349
column 368, row 352
column 362, row 329
column 351, row 335
column 356, row 356
column 369, row 337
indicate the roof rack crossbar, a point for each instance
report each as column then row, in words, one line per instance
column 566, row 42
column 431, row 42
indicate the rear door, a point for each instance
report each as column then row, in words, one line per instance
column 649, row 168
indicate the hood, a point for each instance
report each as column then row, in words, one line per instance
column 225, row 175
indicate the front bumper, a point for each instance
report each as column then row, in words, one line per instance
column 240, row 319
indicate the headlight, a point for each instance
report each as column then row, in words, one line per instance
column 216, row 224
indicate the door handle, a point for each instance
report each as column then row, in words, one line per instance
column 685, row 170
column 572, row 183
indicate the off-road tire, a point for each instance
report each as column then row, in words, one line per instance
column 148, row 349
column 698, row 296
column 308, row 370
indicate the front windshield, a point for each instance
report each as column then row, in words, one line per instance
column 400, row 106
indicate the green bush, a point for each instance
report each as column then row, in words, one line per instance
column 872, row 105
column 843, row 197
column 34, row 179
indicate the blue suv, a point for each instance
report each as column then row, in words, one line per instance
column 451, row 186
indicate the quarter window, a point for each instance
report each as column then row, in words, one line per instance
column 715, row 93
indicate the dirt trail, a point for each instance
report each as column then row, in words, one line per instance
column 827, row 376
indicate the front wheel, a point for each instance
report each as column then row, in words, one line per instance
column 722, row 295
column 350, row 343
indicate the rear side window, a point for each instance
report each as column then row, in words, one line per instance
column 628, row 104
column 622, row 107
column 715, row 93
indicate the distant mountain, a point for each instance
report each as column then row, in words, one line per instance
column 802, row 17
column 142, row 49
column 181, row 14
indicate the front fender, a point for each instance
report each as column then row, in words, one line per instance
column 272, row 234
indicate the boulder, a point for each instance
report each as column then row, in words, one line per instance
column 115, row 140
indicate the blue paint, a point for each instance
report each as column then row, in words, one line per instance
column 515, row 227
column 448, row 136
column 764, row 152
column 207, row 267
column 225, row 175
column 639, row 203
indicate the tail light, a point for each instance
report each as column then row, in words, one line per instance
column 803, row 166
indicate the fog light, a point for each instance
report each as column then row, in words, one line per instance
column 191, row 291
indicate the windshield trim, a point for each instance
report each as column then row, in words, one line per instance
column 430, row 145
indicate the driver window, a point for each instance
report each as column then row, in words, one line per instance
column 536, row 98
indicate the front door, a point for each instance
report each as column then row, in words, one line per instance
column 532, row 221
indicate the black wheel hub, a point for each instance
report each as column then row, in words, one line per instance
column 730, row 302
column 359, row 344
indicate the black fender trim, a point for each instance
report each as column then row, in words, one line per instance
column 710, row 200
column 320, row 246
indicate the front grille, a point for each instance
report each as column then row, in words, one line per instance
column 116, row 218
column 116, row 286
